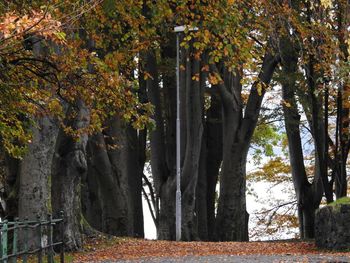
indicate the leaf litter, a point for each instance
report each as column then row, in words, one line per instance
column 103, row 248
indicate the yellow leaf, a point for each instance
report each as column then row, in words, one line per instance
column 326, row 3
column 259, row 88
column 195, row 77
column 55, row 106
column 286, row 103
column 147, row 76
column 213, row 79
column 205, row 68
column 347, row 41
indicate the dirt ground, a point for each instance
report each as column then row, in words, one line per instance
column 139, row 250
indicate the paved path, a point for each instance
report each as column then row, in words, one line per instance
column 243, row 259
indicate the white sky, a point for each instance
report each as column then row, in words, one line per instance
column 265, row 193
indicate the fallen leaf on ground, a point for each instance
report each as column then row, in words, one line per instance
column 119, row 248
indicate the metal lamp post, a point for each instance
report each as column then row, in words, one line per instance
column 178, row 30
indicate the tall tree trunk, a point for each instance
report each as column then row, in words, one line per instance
column 238, row 129
column 230, row 218
column 343, row 23
column 317, row 125
column 35, row 168
column 160, row 171
column 214, row 142
column 162, row 140
column 11, row 187
column 69, row 166
column 110, row 186
column 142, row 158
column 91, row 201
column 194, row 132
column 201, row 211
column 308, row 195
column 34, row 197
column 114, row 180
column 305, row 192
column 134, row 174
column 203, row 183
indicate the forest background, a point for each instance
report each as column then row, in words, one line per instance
column 88, row 112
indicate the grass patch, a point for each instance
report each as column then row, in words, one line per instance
column 90, row 245
column 102, row 241
column 68, row 258
column 341, row 201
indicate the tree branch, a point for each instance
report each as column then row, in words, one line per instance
column 149, row 206
column 227, row 97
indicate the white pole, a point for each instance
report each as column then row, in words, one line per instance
column 178, row 144
column 178, row 30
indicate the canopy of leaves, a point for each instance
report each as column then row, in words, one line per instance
column 48, row 62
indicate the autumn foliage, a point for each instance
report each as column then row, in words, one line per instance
column 254, row 76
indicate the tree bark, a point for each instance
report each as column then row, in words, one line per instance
column 214, row 142
column 232, row 218
column 308, row 195
column 160, row 171
column 343, row 22
column 201, row 210
column 114, row 180
column 107, row 190
column 134, row 170
column 11, row 187
column 35, row 167
column 34, row 199
column 69, row 166
column 194, row 132
column 163, row 138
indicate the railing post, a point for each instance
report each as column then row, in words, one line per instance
column 49, row 239
column 62, row 237
column 15, row 240
column 4, row 242
column 40, row 252
column 1, row 243
column 25, row 242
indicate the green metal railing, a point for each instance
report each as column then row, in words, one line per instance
column 19, row 231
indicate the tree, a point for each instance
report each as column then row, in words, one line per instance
column 311, row 89
column 82, row 91
column 93, row 84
